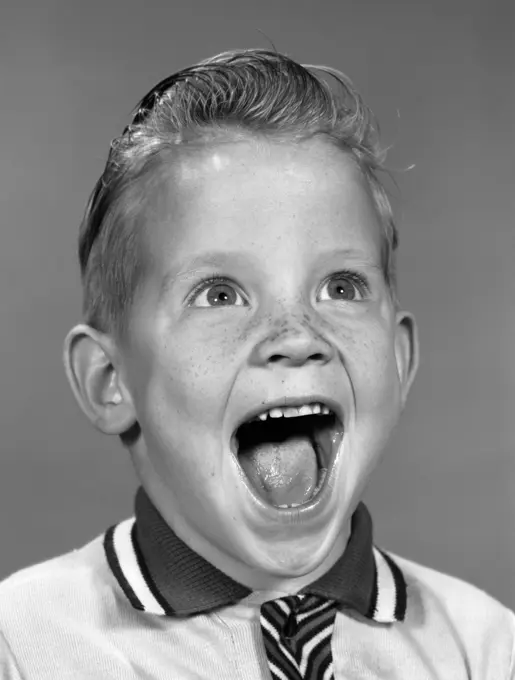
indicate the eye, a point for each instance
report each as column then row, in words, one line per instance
column 216, row 293
column 345, row 286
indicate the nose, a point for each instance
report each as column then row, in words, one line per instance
column 293, row 342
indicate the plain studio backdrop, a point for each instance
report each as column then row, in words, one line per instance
column 439, row 75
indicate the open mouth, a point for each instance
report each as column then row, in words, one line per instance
column 287, row 453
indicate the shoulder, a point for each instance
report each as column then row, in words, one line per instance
column 63, row 608
column 47, row 579
column 454, row 595
column 76, row 586
column 442, row 603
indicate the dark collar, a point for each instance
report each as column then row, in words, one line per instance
column 159, row 574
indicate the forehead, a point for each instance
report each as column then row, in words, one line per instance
column 256, row 197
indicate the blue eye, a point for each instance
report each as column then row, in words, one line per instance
column 345, row 286
column 216, row 293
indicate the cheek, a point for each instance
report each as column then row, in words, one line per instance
column 180, row 386
column 185, row 374
column 181, row 435
column 374, row 369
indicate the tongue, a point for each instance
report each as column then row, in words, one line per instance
column 284, row 473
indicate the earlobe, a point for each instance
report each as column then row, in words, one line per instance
column 89, row 361
column 406, row 351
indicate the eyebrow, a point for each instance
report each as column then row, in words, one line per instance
column 220, row 259
column 355, row 255
column 208, row 260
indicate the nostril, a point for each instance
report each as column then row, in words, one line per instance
column 317, row 357
column 293, row 348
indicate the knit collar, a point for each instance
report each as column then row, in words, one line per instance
column 160, row 574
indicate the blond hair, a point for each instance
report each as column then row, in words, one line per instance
column 249, row 92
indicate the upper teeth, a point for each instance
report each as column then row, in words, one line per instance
column 295, row 411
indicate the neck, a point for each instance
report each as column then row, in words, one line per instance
column 257, row 579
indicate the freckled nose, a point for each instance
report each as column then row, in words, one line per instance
column 293, row 343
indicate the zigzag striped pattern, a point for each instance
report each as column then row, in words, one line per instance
column 297, row 632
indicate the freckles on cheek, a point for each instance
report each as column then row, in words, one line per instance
column 374, row 361
column 215, row 351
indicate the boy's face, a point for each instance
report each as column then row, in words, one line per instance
column 264, row 288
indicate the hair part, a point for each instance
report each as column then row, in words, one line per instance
column 238, row 93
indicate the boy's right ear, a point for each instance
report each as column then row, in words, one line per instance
column 92, row 369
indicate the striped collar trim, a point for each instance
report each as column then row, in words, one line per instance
column 370, row 583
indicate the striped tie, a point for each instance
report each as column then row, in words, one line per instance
column 297, row 633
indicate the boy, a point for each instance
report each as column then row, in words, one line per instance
column 243, row 337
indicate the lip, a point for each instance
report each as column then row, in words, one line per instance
column 315, row 505
column 284, row 402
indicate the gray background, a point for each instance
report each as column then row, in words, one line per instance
column 440, row 77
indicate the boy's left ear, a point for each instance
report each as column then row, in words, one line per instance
column 406, row 351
